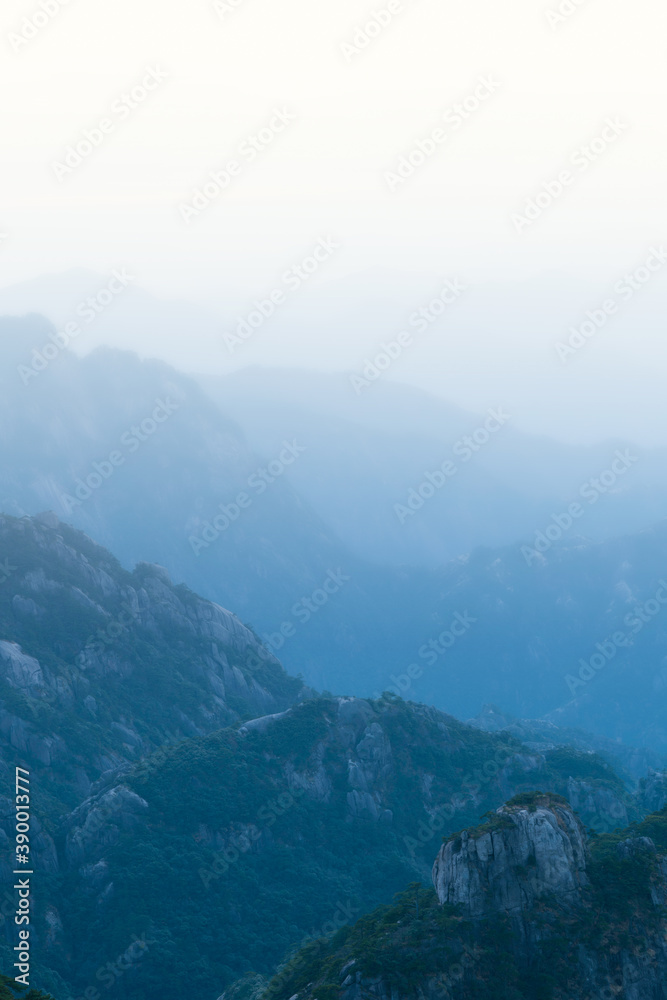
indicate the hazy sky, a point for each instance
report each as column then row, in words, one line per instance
column 581, row 92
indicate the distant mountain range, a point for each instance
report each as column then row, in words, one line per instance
column 300, row 536
column 368, row 454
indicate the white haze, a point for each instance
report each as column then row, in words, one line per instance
column 324, row 176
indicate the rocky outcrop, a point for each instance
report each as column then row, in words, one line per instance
column 523, row 854
column 96, row 824
column 653, row 791
column 21, row 671
column 369, row 768
column 529, row 863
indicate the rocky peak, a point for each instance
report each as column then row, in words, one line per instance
column 530, row 849
column 653, row 791
column 100, row 666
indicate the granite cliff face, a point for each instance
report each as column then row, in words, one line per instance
column 532, row 868
column 528, row 854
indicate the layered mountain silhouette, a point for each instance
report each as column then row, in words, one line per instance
column 182, row 779
column 150, row 464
